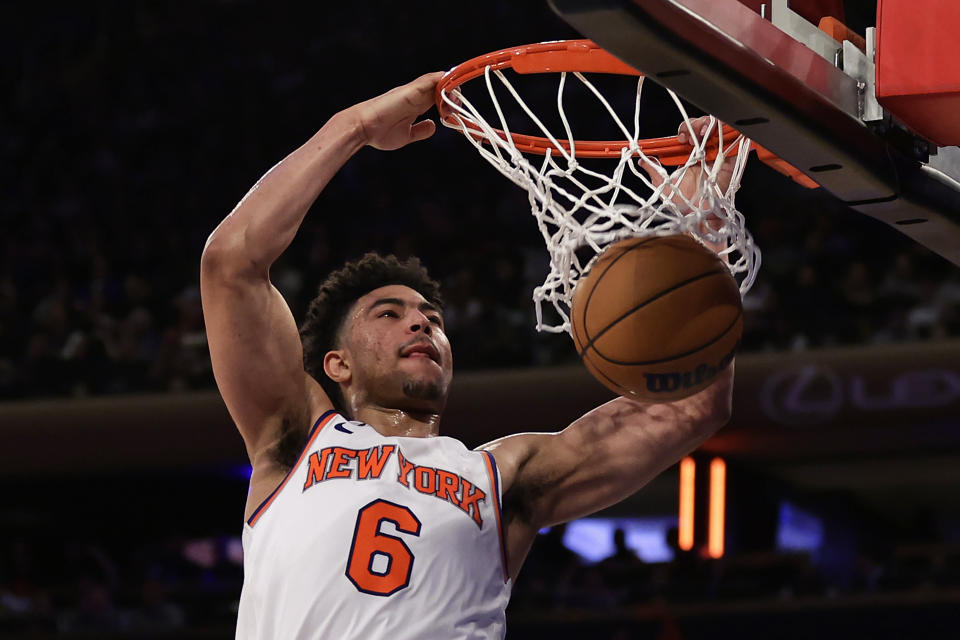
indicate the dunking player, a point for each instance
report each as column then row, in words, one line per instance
column 362, row 522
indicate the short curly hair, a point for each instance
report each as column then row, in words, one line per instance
column 320, row 332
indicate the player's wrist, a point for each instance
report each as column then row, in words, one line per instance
column 349, row 123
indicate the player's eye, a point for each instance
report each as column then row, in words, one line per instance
column 435, row 320
column 389, row 314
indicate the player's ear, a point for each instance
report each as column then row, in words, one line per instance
column 336, row 366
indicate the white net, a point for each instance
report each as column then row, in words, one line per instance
column 581, row 211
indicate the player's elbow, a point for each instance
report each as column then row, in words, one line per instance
column 215, row 259
column 224, row 257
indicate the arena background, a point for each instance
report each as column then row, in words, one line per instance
column 128, row 130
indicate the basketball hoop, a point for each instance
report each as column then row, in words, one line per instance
column 581, row 211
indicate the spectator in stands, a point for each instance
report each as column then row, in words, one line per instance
column 155, row 611
column 688, row 577
column 625, row 572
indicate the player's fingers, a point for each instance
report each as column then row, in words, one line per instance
column 700, row 126
column 428, row 82
column 433, row 77
column 420, row 94
column 422, row 130
column 653, row 168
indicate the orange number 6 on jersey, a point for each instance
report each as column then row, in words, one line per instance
column 370, row 545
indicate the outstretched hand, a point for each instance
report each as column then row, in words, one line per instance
column 688, row 184
column 388, row 122
column 686, row 191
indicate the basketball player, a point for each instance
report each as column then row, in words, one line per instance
column 361, row 521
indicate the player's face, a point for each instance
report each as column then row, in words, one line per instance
column 400, row 356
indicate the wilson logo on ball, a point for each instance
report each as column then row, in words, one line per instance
column 671, row 382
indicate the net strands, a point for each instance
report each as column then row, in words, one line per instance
column 580, row 211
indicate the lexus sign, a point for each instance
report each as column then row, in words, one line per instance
column 812, row 393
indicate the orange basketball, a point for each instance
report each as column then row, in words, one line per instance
column 657, row 318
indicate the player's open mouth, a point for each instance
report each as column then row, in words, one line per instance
column 421, row 350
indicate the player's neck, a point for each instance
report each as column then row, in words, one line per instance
column 399, row 422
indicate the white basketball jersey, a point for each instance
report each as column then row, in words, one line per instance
column 377, row 537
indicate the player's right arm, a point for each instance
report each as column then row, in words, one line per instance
column 254, row 342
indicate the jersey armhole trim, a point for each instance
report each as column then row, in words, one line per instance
column 315, row 430
column 494, row 472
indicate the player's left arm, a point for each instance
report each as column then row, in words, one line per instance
column 617, row 448
column 602, row 458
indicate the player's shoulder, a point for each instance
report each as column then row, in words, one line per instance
column 517, row 446
column 512, row 453
column 446, row 445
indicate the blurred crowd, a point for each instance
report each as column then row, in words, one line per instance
column 75, row 587
column 554, row 578
column 135, row 129
column 83, row 319
column 176, row 585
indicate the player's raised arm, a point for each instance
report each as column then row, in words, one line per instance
column 254, row 342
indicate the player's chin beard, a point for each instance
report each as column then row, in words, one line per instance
column 422, row 389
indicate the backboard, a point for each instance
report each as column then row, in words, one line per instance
column 794, row 90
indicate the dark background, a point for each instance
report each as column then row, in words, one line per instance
column 128, row 131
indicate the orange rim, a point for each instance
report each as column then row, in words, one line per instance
column 556, row 57
column 584, row 56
